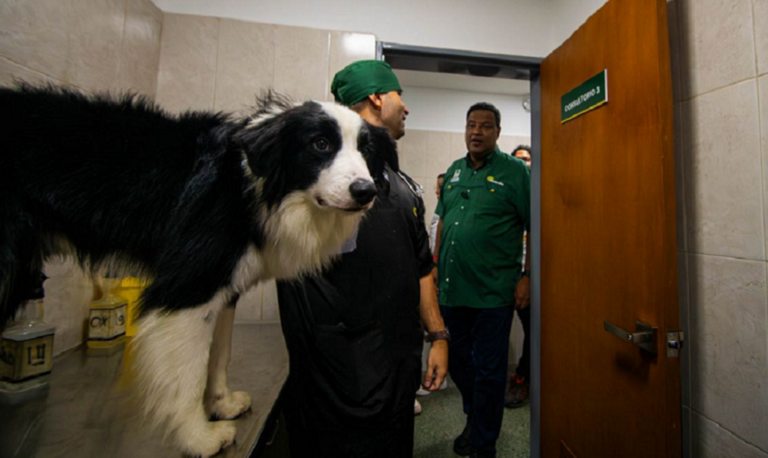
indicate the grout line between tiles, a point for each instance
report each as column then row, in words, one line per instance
column 216, row 66
column 726, row 86
column 760, row 134
column 712, row 255
column 728, row 431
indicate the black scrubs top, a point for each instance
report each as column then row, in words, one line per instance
column 354, row 334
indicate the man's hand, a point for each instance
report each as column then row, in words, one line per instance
column 523, row 293
column 437, row 365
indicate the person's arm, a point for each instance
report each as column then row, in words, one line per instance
column 523, row 289
column 437, row 361
column 437, row 250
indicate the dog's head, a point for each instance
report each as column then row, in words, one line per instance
column 320, row 149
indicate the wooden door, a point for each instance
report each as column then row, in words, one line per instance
column 608, row 249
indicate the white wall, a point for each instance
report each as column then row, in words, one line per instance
column 567, row 16
column 519, row 27
column 445, row 110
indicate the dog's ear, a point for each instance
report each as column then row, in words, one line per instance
column 263, row 148
column 378, row 149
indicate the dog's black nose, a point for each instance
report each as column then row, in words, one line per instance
column 363, row 191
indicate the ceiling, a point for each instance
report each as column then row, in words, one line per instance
column 465, row 83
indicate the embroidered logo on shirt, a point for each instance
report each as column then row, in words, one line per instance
column 456, row 176
column 490, row 178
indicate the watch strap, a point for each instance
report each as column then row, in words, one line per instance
column 439, row 335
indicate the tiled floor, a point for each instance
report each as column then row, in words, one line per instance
column 442, row 419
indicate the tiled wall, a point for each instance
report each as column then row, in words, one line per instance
column 720, row 69
column 221, row 64
column 92, row 45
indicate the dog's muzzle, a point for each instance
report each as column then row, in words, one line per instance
column 363, row 191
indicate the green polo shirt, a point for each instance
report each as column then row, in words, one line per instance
column 484, row 214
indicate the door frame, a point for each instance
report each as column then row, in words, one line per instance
column 530, row 68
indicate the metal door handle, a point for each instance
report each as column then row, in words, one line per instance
column 644, row 335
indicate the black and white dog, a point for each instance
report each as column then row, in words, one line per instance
column 203, row 204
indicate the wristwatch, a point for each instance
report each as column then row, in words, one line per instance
column 439, row 335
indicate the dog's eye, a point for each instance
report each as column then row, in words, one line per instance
column 322, row 145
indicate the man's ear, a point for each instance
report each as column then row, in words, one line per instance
column 498, row 133
column 376, row 101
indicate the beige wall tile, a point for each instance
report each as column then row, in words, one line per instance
column 140, row 55
column 763, row 87
column 729, row 345
column 716, row 44
column 68, row 294
column 269, row 310
column 301, row 62
column 710, row 440
column 347, row 48
column 34, row 35
column 187, row 70
column 506, row 143
column 246, row 64
column 10, row 71
column 249, row 305
column 94, row 43
column 439, row 153
column 722, row 173
column 761, row 34
column 74, row 41
column 412, row 152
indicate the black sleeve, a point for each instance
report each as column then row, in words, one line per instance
column 421, row 241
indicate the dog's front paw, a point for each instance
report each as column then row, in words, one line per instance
column 211, row 440
column 228, row 406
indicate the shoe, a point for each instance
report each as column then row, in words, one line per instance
column 462, row 445
column 517, row 394
column 416, row 407
column 480, row 454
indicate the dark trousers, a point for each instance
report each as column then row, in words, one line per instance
column 392, row 440
column 524, row 365
column 477, row 362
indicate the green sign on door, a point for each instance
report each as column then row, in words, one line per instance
column 589, row 95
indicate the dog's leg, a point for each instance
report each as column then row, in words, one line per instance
column 220, row 403
column 171, row 362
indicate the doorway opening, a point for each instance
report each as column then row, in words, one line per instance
column 452, row 69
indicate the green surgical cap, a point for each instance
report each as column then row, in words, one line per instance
column 361, row 79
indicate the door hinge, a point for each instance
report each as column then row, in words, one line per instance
column 675, row 341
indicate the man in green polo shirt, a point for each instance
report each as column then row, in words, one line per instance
column 484, row 208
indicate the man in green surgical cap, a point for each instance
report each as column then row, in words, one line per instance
column 354, row 333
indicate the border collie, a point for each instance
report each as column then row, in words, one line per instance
column 203, row 204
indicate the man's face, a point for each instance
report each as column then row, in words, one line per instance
column 439, row 186
column 524, row 156
column 393, row 114
column 481, row 132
